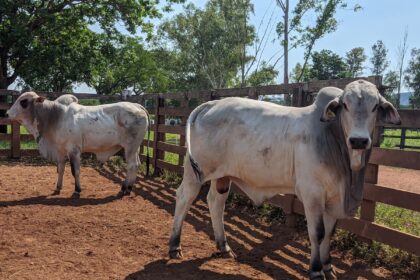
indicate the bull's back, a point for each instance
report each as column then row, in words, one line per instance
column 250, row 140
column 105, row 126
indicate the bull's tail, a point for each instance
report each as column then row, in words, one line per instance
column 191, row 119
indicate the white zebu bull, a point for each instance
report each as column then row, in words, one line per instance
column 65, row 129
column 318, row 152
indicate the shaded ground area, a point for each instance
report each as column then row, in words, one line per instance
column 101, row 236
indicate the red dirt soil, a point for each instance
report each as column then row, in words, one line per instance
column 100, row 236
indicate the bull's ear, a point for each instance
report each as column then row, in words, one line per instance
column 387, row 112
column 40, row 99
column 331, row 110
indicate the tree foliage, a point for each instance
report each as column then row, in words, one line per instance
column 379, row 58
column 354, row 60
column 412, row 77
column 327, row 65
column 391, row 80
column 29, row 31
column 208, row 47
column 303, row 32
column 124, row 63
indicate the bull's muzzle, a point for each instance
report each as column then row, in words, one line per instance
column 359, row 143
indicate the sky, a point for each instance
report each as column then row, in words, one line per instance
column 384, row 20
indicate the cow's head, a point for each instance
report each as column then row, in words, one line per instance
column 357, row 109
column 23, row 109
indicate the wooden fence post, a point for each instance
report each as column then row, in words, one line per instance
column 184, row 104
column 403, row 135
column 158, row 136
column 15, row 140
column 367, row 208
column 15, row 137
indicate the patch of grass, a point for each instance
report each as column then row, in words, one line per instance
column 394, row 143
column 403, row 265
column 398, row 218
column 264, row 212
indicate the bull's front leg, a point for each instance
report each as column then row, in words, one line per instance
column 75, row 170
column 329, row 224
column 316, row 231
column 61, row 164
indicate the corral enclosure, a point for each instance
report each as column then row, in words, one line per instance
column 167, row 148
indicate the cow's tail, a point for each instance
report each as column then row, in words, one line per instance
column 191, row 119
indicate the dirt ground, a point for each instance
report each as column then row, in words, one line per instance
column 100, row 236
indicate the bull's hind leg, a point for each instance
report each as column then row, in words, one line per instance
column 75, row 170
column 216, row 198
column 61, row 164
column 185, row 195
column 133, row 163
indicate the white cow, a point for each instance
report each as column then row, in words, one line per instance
column 319, row 153
column 65, row 129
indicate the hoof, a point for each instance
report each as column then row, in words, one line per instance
column 316, row 275
column 175, row 254
column 224, row 255
column 330, row 274
column 123, row 193
column 56, row 192
column 75, row 195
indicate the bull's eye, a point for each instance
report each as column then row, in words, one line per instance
column 374, row 108
column 24, row 103
column 345, row 106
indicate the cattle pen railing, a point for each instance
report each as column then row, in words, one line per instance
column 168, row 142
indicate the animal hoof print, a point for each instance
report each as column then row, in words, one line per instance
column 175, row 254
column 75, row 195
column 224, row 255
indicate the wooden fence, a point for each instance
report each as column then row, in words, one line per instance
column 403, row 137
column 179, row 106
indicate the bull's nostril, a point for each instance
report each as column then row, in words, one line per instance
column 358, row 142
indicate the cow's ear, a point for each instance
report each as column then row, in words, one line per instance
column 40, row 99
column 387, row 112
column 331, row 110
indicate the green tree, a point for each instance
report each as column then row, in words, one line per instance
column 27, row 26
column 264, row 76
column 125, row 63
column 296, row 72
column 379, row 58
column 62, row 58
column 391, row 80
column 299, row 29
column 210, row 47
column 327, row 65
column 412, row 77
column 354, row 60
column 28, row 34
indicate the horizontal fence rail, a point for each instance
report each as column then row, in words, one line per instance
column 169, row 113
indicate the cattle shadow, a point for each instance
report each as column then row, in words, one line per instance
column 58, row 201
column 270, row 249
column 164, row 270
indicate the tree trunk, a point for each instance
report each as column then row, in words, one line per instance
column 287, row 98
column 286, row 44
column 3, row 99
